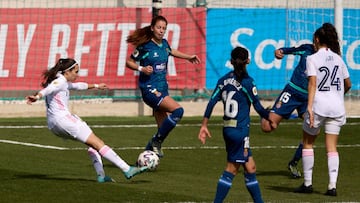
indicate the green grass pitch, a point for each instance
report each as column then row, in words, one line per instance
column 38, row 167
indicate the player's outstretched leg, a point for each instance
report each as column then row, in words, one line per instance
column 292, row 165
column 129, row 171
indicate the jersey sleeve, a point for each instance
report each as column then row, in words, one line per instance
column 310, row 67
column 78, row 86
column 301, row 50
column 215, row 97
column 139, row 53
column 55, row 86
column 251, row 92
column 167, row 46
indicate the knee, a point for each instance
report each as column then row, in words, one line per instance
column 177, row 114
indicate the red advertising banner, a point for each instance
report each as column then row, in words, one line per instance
column 32, row 40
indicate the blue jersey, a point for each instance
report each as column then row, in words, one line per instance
column 237, row 98
column 294, row 95
column 155, row 55
column 299, row 78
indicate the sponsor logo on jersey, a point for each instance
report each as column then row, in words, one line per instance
column 135, row 53
column 160, row 67
column 157, row 93
column 254, row 90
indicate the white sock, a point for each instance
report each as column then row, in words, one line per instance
column 110, row 155
column 97, row 162
column 333, row 166
column 308, row 165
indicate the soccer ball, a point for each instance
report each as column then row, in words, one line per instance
column 148, row 158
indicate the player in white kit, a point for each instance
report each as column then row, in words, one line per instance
column 57, row 83
column 328, row 82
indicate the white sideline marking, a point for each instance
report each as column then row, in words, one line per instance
column 146, row 126
column 170, row 148
column 32, row 145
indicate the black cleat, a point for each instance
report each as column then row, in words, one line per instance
column 331, row 192
column 304, row 189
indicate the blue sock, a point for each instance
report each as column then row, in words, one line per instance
column 223, row 186
column 168, row 124
column 298, row 154
column 252, row 186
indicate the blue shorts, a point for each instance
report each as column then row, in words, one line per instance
column 237, row 144
column 152, row 97
column 289, row 100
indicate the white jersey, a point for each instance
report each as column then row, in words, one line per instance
column 330, row 71
column 57, row 97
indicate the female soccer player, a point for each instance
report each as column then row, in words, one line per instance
column 328, row 81
column 57, row 83
column 152, row 52
column 293, row 97
column 237, row 91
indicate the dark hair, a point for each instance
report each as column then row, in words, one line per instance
column 61, row 66
column 239, row 59
column 143, row 35
column 328, row 36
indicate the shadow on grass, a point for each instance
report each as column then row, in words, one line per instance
column 12, row 175
column 274, row 173
column 290, row 190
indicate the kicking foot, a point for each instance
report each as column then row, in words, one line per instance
column 133, row 171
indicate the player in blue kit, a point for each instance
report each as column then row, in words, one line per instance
column 237, row 91
column 150, row 58
column 293, row 97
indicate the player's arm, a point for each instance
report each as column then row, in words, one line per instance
column 54, row 86
column 191, row 58
column 251, row 91
column 311, row 73
column 85, row 86
column 311, row 96
column 133, row 65
column 347, row 81
column 204, row 132
column 280, row 53
column 347, row 85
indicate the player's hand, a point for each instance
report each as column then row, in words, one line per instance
column 30, row 99
column 203, row 133
column 148, row 70
column 194, row 59
column 279, row 54
column 102, row 86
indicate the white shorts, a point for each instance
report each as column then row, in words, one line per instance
column 331, row 125
column 71, row 127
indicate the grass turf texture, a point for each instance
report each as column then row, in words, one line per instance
column 188, row 173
